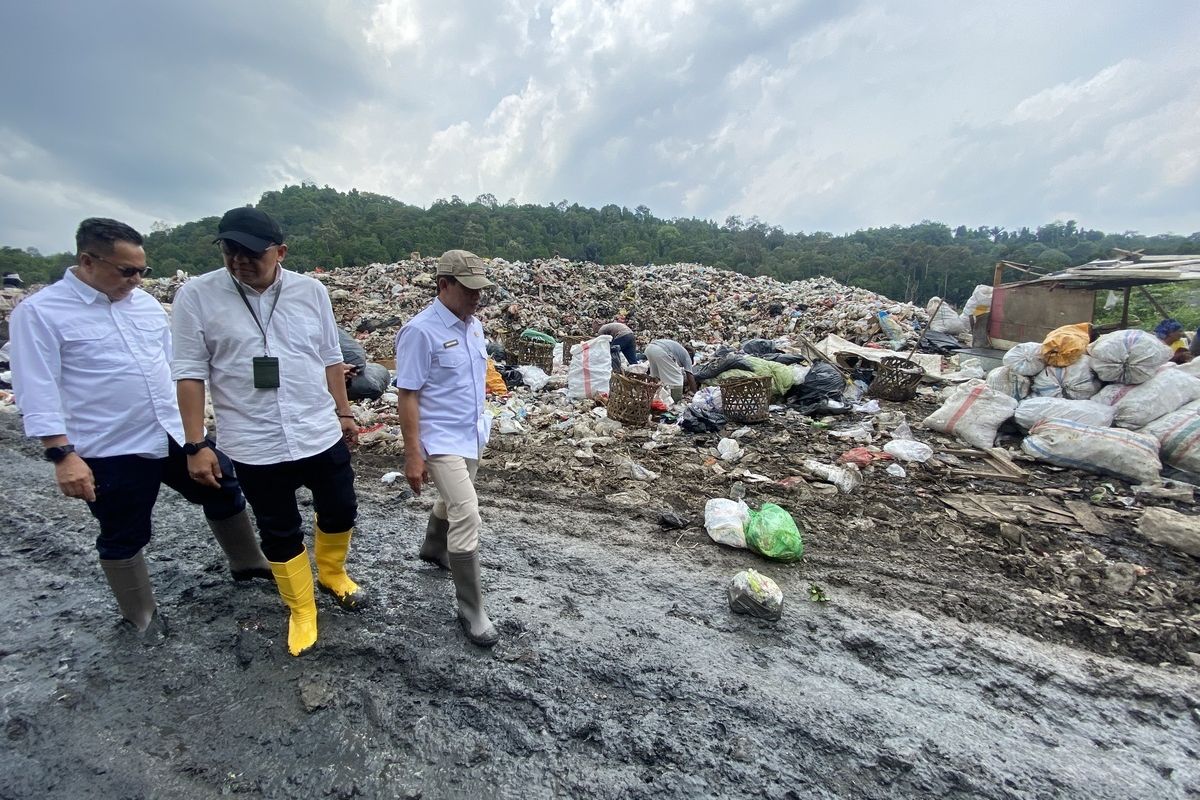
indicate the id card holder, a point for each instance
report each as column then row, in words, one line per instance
column 266, row 372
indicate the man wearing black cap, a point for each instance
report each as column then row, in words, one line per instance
column 441, row 362
column 265, row 340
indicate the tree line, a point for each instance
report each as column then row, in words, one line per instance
column 330, row 229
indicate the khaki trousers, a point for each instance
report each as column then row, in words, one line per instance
column 454, row 477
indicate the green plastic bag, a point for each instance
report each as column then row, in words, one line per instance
column 773, row 533
column 538, row 336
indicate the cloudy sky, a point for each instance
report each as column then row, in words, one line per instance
column 809, row 115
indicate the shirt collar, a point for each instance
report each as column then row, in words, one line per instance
column 448, row 317
column 275, row 284
column 86, row 293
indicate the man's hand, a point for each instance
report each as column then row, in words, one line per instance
column 204, row 468
column 350, row 370
column 349, row 430
column 75, row 479
column 415, row 472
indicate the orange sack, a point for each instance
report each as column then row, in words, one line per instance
column 1063, row 346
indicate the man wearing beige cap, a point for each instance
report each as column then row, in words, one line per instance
column 441, row 365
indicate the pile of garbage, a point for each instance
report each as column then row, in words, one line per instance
column 686, row 302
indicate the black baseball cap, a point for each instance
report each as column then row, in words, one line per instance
column 249, row 227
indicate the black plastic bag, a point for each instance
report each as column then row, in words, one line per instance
column 759, row 347
column 823, row 382
column 708, row 371
column 938, row 342
column 701, row 420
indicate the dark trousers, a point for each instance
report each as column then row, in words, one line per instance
column 626, row 346
column 127, row 488
column 271, row 492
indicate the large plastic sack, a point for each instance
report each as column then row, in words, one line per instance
column 893, row 330
column 753, row 593
column 1074, row 382
column 1138, row 406
column 946, row 319
column 1008, row 381
column 974, row 413
column 1063, row 346
column 591, row 368
column 370, row 383
column 1191, row 368
column 1178, row 435
column 1025, row 359
column 534, row 377
column 1129, row 357
column 707, row 399
column 1128, row 455
column 774, row 534
column 980, row 301
column 1039, row 409
column 725, row 520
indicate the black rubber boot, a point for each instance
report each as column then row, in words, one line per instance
column 433, row 549
column 239, row 541
column 474, row 620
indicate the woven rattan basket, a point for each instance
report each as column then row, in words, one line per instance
column 746, row 399
column 567, row 343
column 629, row 398
column 896, row 379
column 523, row 351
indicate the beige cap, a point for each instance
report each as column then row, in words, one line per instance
column 465, row 267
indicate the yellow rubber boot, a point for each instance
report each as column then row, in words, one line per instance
column 331, row 550
column 295, row 581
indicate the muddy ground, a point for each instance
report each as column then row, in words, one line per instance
column 933, row 671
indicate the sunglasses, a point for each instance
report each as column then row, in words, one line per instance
column 235, row 250
column 126, row 271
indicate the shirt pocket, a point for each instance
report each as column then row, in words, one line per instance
column 453, row 358
column 150, row 333
column 304, row 335
column 93, row 345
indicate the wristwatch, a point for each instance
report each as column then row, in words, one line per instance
column 191, row 448
column 57, row 454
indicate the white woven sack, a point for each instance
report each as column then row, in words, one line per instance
column 1128, row 455
column 590, row 370
column 1039, row 409
column 974, row 413
column 1137, row 406
column 1178, row 435
column 1076, row 382
column 1007, row 382
column 1129, row 357
column 1025, row 359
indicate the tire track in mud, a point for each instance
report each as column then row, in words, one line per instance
column 622, row 674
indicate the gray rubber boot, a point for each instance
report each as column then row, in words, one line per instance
column 433, row 549
column 239, row 541
column 130, row 584
column 474, row 620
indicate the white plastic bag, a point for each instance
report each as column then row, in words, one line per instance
column 707, row 399
column 1178, row 435
column 753, row 593
column 725, row 521
column 534, row 377
column 590, row 371
column 908, row 450
column 1039, row 409
column 1025, row 359
column 1138, row 406
column 1076, row 382
column 1128, row 455
column 846, row 478
column 1129, row 357
column 1006, row 381
column 729, row 449
column 980, row 301
column 973, row 413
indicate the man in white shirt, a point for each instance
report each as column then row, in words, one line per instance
column 441, row 365
column 91, row 370
column 265, row 340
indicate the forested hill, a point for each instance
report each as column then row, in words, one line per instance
column 327, row 228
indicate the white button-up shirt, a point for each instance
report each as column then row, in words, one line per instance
column 216, row 339
column 445, row 359
column 95, row 370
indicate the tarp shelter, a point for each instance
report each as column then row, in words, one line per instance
column 1025, row 311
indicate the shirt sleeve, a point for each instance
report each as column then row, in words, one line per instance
column 413, row 358
column 36, row 372
column 331, row 351
column 190, row 356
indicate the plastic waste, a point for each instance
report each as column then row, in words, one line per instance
column 773, row 533
column 908, row 450
column 725, row 521
column 695, row 420
column 729, row 450
column 755, row 594
column 534, row 377
column 896, row 471
column 846, row 478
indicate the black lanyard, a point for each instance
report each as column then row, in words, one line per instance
column 263, row 329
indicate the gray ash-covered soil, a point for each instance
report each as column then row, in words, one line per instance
column 622, row 672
